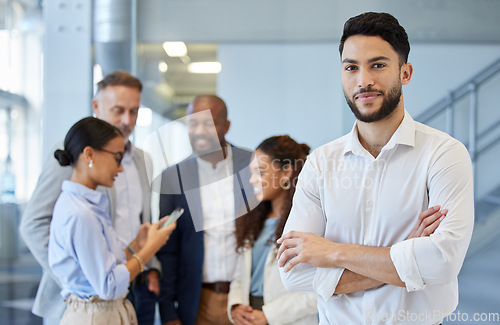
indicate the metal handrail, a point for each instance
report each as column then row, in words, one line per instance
column 474, row 144
column 459, row 92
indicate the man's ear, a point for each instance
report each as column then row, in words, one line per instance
column 95, row 107
column 228, row 124
column 406, row 73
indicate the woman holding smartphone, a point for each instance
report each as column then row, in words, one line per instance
column 93, row 266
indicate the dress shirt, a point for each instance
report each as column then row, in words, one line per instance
column 84, row 251
column 127, row 220
column 217, row 201
column 346, row 195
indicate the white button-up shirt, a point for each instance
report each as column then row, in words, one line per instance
column 217, row 201
column 129, row 198
column 346, row 195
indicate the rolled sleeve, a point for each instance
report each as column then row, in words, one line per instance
column 329, row 276
column 406, row 265
column 437, row 259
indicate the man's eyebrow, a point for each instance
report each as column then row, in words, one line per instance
column 349, row 61
column 379, row 58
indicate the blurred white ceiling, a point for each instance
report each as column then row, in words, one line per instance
column 237, row 21
column 203, row 24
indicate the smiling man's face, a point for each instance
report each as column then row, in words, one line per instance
column 371, row 77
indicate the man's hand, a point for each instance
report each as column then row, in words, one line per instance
column 300, row 247
column 242, row 315
column 427, row 222
column 154, row 282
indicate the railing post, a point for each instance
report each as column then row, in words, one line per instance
column 450, row 114
column 472, row 129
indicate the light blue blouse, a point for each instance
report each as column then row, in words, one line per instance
column 260, row 251
column 84, row 250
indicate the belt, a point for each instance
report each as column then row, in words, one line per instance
column 218, row 287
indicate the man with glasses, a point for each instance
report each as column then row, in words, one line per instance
column 117, row 102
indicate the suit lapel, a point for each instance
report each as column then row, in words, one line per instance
column 140, row 163
column 190, row 185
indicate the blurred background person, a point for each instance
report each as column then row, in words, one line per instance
column 257, row 295
column 212, row 186
column 93, row 265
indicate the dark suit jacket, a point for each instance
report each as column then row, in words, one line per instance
column 182, row 256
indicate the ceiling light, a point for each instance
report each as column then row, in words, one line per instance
column 175, row 49
column 163, row 66
column 204, row 67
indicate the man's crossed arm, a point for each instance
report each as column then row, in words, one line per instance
column 365, row 266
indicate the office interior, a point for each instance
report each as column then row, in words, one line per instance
column 275, row 63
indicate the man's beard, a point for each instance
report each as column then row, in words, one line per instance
column 388, row 106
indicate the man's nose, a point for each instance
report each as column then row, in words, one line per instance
column 365, row 79
column 126, row 118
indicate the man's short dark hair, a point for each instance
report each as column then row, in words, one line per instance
column 378, row 24
column 119, row 78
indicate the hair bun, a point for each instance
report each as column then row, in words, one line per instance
column 305, row 148
column 62, row 157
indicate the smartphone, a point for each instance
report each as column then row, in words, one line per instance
column 173, row 217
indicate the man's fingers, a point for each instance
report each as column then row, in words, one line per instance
column 430, row 223
column 286, row 254
column 428, row 212
column 291, row 263
column 290, row 235
column 285, row 245
column 433, row 226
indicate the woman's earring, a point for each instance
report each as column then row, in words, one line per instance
column 285, row 184
column 91, row 164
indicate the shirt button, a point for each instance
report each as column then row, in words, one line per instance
column 370, row 204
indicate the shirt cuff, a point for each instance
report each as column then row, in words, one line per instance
column 404, row 261
column 326, row 280
column 122, row 277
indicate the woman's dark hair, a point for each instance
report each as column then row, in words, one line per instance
column 378, row 24
column 88, row 132
column 285, row 151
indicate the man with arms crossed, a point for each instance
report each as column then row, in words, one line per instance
column 117, row 102
column 358, row 197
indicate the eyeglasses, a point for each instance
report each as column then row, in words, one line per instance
column 118, row 155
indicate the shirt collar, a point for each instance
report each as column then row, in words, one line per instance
column 405, row 135
column 229, row 157
column 95, row 197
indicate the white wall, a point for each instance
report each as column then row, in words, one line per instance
column 439, row 68
column 273, row 89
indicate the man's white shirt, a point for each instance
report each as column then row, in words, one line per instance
column 217, row 201
column 129, row 200
column 346, row 195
